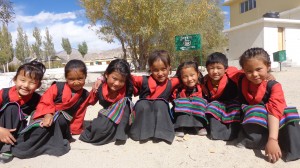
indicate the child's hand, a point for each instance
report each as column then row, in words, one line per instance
column 272, row 150
column 6, row 136
column 96, row 85
column 47, row 120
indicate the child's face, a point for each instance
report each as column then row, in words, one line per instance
column 26, row 85
column 115, row 81
column 256, row 70
column 189, row 77
column 160, row 71
column 75, row 79
column 216, row 71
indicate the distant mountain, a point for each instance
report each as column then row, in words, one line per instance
column 113, row 53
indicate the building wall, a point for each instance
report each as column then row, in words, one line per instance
column 244, row 38
column 292, row 36
column 262, row 7
column 270, row 36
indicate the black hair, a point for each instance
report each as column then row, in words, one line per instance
column 75, row 64
column 121, row 66
column 188, row 64
column 162, row 55
column 217, row 57
column 33, row 69
column 258, row 53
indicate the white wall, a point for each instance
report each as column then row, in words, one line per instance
column 271, row 43
column 244, row 38
column 292, row 37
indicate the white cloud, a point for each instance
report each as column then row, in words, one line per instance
column 225, row 13
column 60, row 25
column 47, row 17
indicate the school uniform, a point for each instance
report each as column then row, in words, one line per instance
column 259, row 101
column 223, row 110
column 153, row 117
column 113, row 121
column 68, row 109
column 14, row 111
column 189, row 107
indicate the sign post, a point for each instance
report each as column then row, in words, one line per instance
column 188, row 42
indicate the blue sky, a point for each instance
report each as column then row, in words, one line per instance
column 64, row 18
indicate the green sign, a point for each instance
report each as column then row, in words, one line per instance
column 188, row 42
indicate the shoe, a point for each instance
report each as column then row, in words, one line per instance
column 202, row 132
column 6, row 157
column 179, row 134
column 240, row 145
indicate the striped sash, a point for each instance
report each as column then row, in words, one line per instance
column 115, row 111
column 225, row 112
column 36, row 123
column 257, row 114
column 193, row 105
column 22, row 116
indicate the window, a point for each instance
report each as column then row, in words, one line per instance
column 248, row 5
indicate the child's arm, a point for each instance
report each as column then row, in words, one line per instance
column 272, row 149
column 46, row 107
column 275, row 108
column 6, row 136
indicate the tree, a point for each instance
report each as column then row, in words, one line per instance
column 143, row 25
column 83, row 49
column 6, row 47
column 27, row 49
column 20, row 45
column 66, row 46
column 36, row 47
column 6, row 11
column 49, row 50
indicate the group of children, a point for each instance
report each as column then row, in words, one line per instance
column 244, row 105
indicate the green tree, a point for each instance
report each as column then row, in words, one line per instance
column 49, row 51
column 83, row 49
column 20, row 45
column 6, row 47
column 36, row 47
column 66, row 46
column 143, row 25
column 27, row 49
column 6, row 11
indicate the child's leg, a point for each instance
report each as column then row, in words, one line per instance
column 101, row 131
column 253, row 136
column 10, row 119
column 222, row 131
column 143, row 126
column 289, row 141
column 123, row 127
column 48, row 140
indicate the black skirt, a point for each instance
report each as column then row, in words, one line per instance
column 255, row 136
column 51, row 140
column 188, row 120
column 222, row 131
column 10, row 118
column 103, row 130
column 152, row 120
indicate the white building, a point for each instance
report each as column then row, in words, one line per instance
column 250, row 29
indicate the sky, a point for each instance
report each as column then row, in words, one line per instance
column 64, row 19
